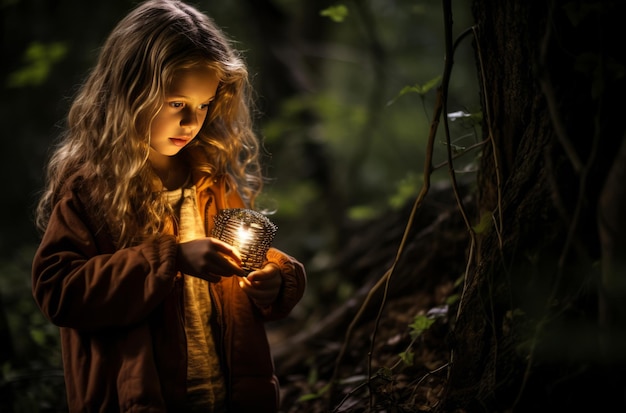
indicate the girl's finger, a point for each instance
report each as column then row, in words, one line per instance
column 224, row 248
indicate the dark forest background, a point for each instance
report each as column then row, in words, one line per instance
column 450, row 173
column 343, row 143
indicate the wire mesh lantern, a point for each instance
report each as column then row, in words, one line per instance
column 249, row 231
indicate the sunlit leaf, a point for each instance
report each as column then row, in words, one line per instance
column 431, row 84
column 420, row 324
column 417, row 88
column 38, row 336
column 337, row 13
column 406, row 189
column 362, row 212
column 39, row 58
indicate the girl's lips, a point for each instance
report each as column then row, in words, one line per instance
column 179, row 141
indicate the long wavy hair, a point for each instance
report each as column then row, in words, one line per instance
column 106, row 144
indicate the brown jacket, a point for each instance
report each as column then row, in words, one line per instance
column 120, row 314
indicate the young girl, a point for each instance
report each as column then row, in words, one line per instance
column 153, row 313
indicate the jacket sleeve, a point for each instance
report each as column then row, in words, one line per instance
column 79, row 281
column 292, row 290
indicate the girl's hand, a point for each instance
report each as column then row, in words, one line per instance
column 263, row 285
column 209, row 259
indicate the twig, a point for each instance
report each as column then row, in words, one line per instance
column 440, row 105
column 445, row 83
column 387, row 276
column 458, row 155
column 351, row 392
column 494, row 148
column 442, row 97
column 428, row 374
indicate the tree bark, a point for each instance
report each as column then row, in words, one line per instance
column 528, row 335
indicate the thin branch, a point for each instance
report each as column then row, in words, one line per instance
column 499, row 222
column 439, row 107
column 494, row 148
column 442, row 93
column 384, row 280
column 428, row 374
column 450, row 48
column 464, row 152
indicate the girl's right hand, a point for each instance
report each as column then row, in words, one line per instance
column 209, row 259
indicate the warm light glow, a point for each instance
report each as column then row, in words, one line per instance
column 244, row 235
column 247, row 230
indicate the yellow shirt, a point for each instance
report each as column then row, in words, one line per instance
column 206, row 390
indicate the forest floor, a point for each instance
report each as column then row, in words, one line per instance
column 393, row 332
column 408, row 372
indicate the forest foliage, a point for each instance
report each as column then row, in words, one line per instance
column 345, row 93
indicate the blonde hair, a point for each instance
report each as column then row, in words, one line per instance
column 106, row 144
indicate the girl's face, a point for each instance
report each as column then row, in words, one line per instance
column 184, row 110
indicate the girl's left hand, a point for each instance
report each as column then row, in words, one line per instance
column 263, row 285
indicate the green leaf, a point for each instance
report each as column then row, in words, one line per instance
column 362, row 212
column 452, row 299
column 313, row 396
column 484, row 224
column 7, row 371
column 307, row 397
column 313, row 376
column 420, row 324
column 336, row 13
column 39, row 58
column 385, row 373
column 431, row 84
column 38, row 336
column 406, row 189
column 417, row 88
column 407, row 357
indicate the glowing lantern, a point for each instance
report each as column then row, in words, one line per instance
column 247, row 230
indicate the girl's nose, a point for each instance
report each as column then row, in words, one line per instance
column 189, row 118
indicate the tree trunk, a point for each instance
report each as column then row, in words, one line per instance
column 530, row 335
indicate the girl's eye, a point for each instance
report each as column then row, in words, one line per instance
column 176, row 105
column 204, row 106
